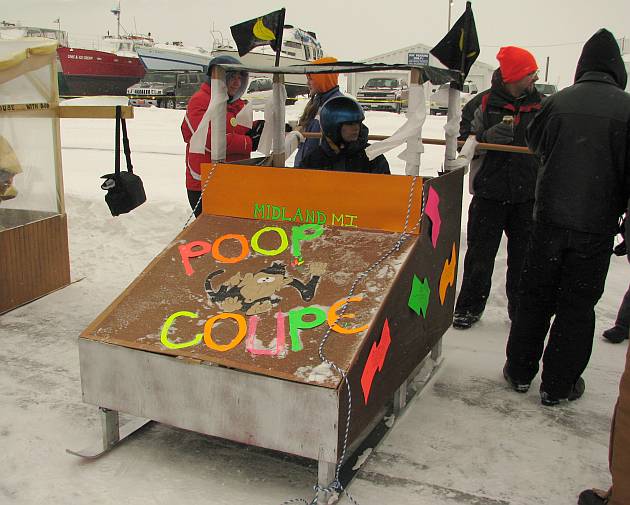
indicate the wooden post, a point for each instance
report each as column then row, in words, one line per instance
column 54, row 101
column 278, row 154
column 441, row 142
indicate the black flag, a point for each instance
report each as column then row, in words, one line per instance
column 459, row 48
column 261, row 31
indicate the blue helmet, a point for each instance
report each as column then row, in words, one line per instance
column 337, row 111
column 229, row 60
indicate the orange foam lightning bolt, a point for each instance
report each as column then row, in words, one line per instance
column 448, row 274
column 375, row 360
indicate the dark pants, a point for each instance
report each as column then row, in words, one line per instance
column 487, row 220
column 623, row 316
column 193, row 198
column 563, row 275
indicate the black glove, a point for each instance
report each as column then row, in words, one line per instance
column 287, row 128
column 501, row 133
column 255, row 132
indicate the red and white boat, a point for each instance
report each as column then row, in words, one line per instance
column 109, row 72
column 88, row 72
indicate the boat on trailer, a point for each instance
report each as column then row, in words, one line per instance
column 299, row 47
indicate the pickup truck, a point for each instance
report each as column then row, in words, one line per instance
column 439, row 99
column 546, row 89
column 170, row 89
column 384, row 93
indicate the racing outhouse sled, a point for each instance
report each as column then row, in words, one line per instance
column 290, row 312
column 34, row 257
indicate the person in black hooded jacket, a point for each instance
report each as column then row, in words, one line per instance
column 344, row 139
column 582, row 136
column 503, row 186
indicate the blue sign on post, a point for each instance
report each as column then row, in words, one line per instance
column 417, row 58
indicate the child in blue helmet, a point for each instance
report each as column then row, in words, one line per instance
column 344, row 139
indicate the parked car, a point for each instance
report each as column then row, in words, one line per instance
column 438, row 102
column 546, row 89
column 384, row 93
column 170, row 89
column 260, row 89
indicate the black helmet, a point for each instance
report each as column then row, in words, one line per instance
column 337, row 111
column 225, row 59
column 229, row 60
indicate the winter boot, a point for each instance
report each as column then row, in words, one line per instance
column 616, row 334
column 465, row 319
column 592, row 497
column 519, row 387
column 576, row 392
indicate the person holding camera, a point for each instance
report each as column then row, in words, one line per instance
column 504, row 184
column 240, row 141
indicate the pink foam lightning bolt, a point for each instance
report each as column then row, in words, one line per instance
column 375, row 360
column 432, row 210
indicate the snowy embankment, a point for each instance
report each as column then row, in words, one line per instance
column 466, row 439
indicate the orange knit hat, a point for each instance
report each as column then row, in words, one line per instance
column 515, row 63
column 324, row 82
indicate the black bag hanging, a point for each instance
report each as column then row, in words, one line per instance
column 124, row 189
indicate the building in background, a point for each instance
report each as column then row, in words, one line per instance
column 417, row 54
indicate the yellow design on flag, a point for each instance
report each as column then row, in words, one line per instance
column 262, row 32
column 461, row 45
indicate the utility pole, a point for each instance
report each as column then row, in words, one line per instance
column 547, row 69
column 450, row 5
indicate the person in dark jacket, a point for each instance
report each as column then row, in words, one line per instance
column 619, row 448
column 582, row 137
column 504, row 184
column 322, row 88
column 344, row 139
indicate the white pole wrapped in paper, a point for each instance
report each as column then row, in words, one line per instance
column 451, row 129
column 410, row 132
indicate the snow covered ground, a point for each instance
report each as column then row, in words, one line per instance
column 465, row 439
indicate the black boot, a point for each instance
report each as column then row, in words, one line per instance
column 576, row 392
column 465, row 319
column 519, row 387
column 616, row 334
column 590, row 497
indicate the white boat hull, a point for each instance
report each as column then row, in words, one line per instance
column 159, row 58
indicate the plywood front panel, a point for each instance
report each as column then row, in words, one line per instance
column 243, row 267
column 346, row 199
column 33, row 259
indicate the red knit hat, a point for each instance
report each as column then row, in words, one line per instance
column 515, row 63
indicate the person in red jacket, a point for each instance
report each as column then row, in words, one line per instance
column 240, row 141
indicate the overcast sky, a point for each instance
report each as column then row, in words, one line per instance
column 350, row 29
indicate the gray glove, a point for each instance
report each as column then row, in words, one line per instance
column 501, row 133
